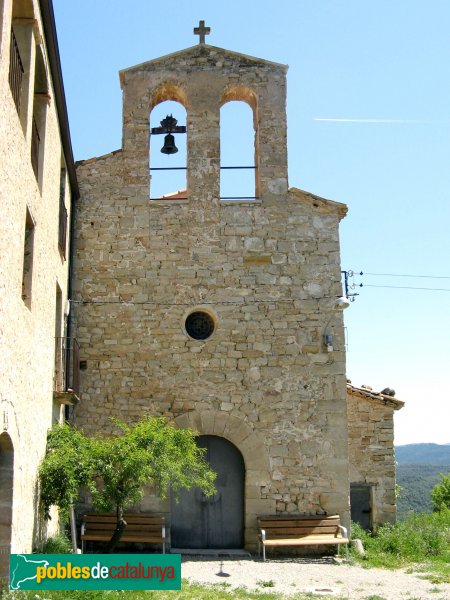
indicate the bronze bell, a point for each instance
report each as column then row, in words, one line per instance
column 169, row 145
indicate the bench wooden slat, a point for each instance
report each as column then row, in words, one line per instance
column 125, row 538
column 310, row 541
column 299, row 522
column 298, row 531
column 109, row 532
column 130, row 518
column 299, row 516
column 129, row 527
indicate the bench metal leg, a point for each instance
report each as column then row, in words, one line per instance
column 346, row 550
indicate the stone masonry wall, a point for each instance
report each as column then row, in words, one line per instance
column 27, row 332
column 371, row 453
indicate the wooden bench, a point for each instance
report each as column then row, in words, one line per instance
column 140, row 528
column 300, row 530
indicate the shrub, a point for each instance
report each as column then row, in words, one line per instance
column 440, row 494
column 58, row 544
column 419, row 538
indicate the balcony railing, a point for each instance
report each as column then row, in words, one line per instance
column 67, row 371
column 15, row 71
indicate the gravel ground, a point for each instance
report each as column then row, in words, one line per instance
column 295, row 575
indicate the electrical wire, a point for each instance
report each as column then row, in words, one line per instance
column 246, row 301
column 352, row 274
column 403, row 275
column 405, row 287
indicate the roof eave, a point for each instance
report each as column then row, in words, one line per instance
column 369, row 395
column 317, row 201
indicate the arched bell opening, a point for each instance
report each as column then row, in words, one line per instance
column 239, row 145
column 6, row 502
column 168, row 146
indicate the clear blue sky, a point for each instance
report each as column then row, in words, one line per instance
column 368, row 125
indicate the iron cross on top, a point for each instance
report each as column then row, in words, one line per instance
column 201, row 31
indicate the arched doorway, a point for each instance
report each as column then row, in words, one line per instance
column 6, row 499
column 217, row 522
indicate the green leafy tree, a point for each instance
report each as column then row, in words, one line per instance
column 67, row 466
column 440, row 494
column 116, row 469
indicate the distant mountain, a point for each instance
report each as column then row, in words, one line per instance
column 423, row 454
column 418, row 468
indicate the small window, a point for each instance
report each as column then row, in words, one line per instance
column 199, row 325
column 27, row 275
column 62, row 228
column 41, row 99
column 16, row 71
column 20, row 56
column 35, row 147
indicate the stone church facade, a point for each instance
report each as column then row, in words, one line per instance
column 264, row 273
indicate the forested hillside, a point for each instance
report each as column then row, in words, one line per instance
column 416, row 482
column 418, row 468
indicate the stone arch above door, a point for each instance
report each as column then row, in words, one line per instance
column 233, row 429
column 254, row 452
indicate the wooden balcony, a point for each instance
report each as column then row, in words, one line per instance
column 67, row 371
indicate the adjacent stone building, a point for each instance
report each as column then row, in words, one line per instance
column 37, row 187
column 371, row 455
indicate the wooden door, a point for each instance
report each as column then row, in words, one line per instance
column 361, row 504
column 217, row 522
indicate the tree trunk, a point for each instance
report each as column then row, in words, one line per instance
column 120, row 526
column 73, row 530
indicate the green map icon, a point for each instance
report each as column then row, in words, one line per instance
column 23, row 568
